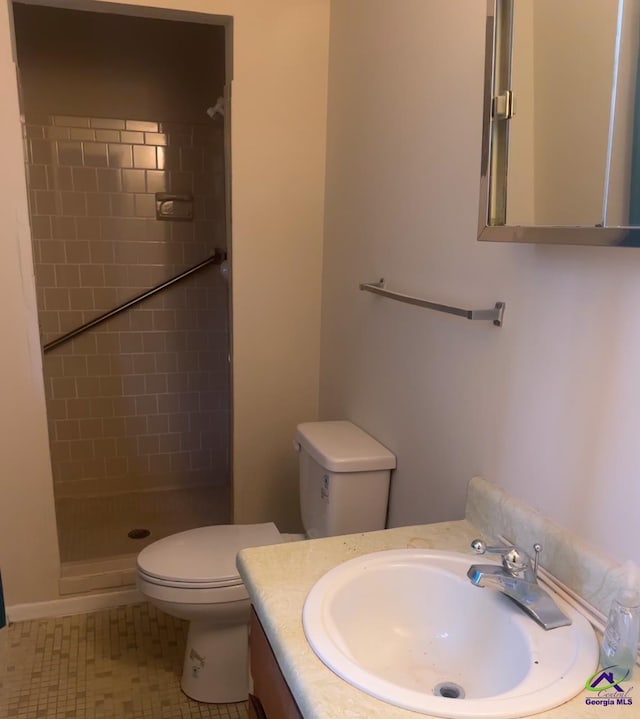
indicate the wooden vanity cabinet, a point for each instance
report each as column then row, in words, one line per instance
column 271, row 698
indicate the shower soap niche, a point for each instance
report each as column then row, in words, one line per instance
column 174, row 207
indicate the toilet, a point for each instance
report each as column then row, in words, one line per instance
column 192, row 575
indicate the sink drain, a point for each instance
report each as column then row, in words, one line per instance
column 449, row 690
column 138, row 533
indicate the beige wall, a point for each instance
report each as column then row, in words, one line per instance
column 548, row 406
column 278, row 151
column 28, row 545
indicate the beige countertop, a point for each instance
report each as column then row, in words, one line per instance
column 278, row 579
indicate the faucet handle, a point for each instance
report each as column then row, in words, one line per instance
column 514, row 559
column 537, row 548
column 480, row 547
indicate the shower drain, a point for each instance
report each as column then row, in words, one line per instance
column 449, row 690
column 138, row 533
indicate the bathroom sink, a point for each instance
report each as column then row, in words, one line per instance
column 408, row 627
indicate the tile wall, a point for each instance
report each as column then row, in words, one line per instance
column 142, row 401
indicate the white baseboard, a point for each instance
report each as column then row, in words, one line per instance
column 72, row 605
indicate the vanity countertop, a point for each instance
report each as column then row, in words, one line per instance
column 278, row 579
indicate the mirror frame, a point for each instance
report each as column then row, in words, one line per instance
column 493, row 167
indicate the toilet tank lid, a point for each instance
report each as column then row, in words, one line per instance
column 206, row 554
column 341, row 446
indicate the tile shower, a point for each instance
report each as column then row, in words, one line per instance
column 138, row 407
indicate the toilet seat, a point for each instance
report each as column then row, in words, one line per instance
column 202, row 562
column 184, row 594
column 213, row 584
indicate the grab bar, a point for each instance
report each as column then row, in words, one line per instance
column 217, row 258
column 494, row 315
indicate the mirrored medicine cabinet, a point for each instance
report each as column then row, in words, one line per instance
column 561, row 126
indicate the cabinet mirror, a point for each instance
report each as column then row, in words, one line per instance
column 561, row 130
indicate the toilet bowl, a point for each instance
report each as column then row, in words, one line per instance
column 344, row 487
column 192, row 576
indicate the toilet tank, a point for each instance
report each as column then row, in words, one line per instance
column 344, row 479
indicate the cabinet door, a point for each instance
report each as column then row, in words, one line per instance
column 269, row 686
column 255, row 708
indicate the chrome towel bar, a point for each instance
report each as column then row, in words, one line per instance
column 494, row 315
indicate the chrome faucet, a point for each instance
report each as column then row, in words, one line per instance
column 518, row 579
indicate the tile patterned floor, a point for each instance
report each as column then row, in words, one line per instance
column 122, row 663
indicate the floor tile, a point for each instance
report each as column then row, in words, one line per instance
column 123, row 663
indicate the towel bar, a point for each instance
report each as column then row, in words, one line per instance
column 216, row 258
column 494, row 315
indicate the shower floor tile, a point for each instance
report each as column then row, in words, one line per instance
column 123, row 663
column 97, row 527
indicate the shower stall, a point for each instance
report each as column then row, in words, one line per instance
column 125, row 137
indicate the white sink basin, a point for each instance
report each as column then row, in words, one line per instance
column 409, row 628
